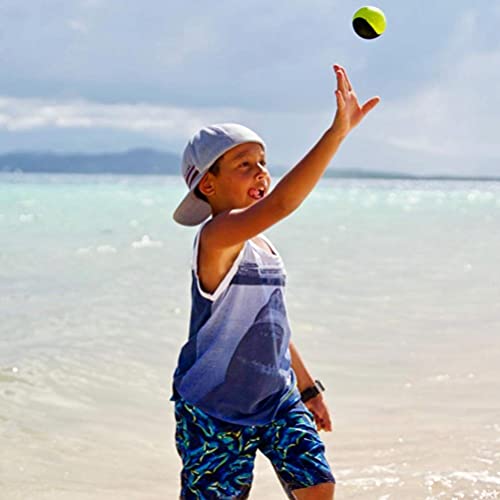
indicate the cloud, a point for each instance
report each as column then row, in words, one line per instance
column 454, row 116
column 27, row 114
column 449, row 122
column 166, row 126
column 79, row 26
column 166, row 52
column 108, row 73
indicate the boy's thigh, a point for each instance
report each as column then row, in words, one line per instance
column 217, row 458
column 293, row 446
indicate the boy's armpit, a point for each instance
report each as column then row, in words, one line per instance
column 214, row 263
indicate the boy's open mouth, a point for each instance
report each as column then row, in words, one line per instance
column 256, row 193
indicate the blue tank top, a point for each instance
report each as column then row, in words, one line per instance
column 236, row 363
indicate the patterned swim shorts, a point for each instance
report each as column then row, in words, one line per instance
column 218, row 457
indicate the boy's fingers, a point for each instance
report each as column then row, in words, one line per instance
column 336, row 70
column 341, row 83
column 328, row 423
column 344, row 72
column 340, row 99
column 370, row 104
column 324, row 425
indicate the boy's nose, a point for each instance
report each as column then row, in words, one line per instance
column 262, row 169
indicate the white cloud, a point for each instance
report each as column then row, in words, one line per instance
column 78, row 26
column 166, row 70
column 174, row 123
column 26, row 114
column 452, row 120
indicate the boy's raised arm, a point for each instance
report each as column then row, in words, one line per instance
column 233, row 227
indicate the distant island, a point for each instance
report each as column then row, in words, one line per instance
column 153, row 162
column 135, row 161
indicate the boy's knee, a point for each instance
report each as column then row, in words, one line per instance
column 323, row 491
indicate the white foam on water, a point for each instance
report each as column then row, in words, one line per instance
column 442, row 377
column 379, row 469
column 473, row 196
column 28, row 203
column 477, row 477
column 84, row 250
column 366, row 483
column 26, row 218
column 106, row 249
column 487, row 461
column 147, row 242
column 462, row 484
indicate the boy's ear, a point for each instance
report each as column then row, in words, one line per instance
column 207, row 185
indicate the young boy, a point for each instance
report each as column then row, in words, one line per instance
column 240, row 384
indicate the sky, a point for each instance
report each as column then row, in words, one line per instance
column 112, row 75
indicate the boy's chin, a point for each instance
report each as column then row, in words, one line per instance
column 255, row 200
column 252, row 202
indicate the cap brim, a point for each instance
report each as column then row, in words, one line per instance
column 192, row 211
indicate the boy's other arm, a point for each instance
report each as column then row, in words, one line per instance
column 233, row 227
column 317, row 404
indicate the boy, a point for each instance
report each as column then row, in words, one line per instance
column 240, row 384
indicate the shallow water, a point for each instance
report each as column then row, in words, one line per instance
column 394, row 300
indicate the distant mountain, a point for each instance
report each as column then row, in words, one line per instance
column 135, row 161
column 153, row 162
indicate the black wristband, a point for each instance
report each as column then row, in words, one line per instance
column 312, row 392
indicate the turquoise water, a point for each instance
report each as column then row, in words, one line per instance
column 394, row 300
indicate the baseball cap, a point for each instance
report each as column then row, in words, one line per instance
column 201, row 152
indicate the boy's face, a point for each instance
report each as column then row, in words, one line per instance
column 242, row 179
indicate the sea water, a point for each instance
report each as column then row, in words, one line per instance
column 394, row 299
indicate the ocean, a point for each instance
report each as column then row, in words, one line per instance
column 393, row 295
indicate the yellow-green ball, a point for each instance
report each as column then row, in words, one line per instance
column 369, row 22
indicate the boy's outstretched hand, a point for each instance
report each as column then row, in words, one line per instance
column 349, row 112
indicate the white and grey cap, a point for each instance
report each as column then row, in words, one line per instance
column 201, row 152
